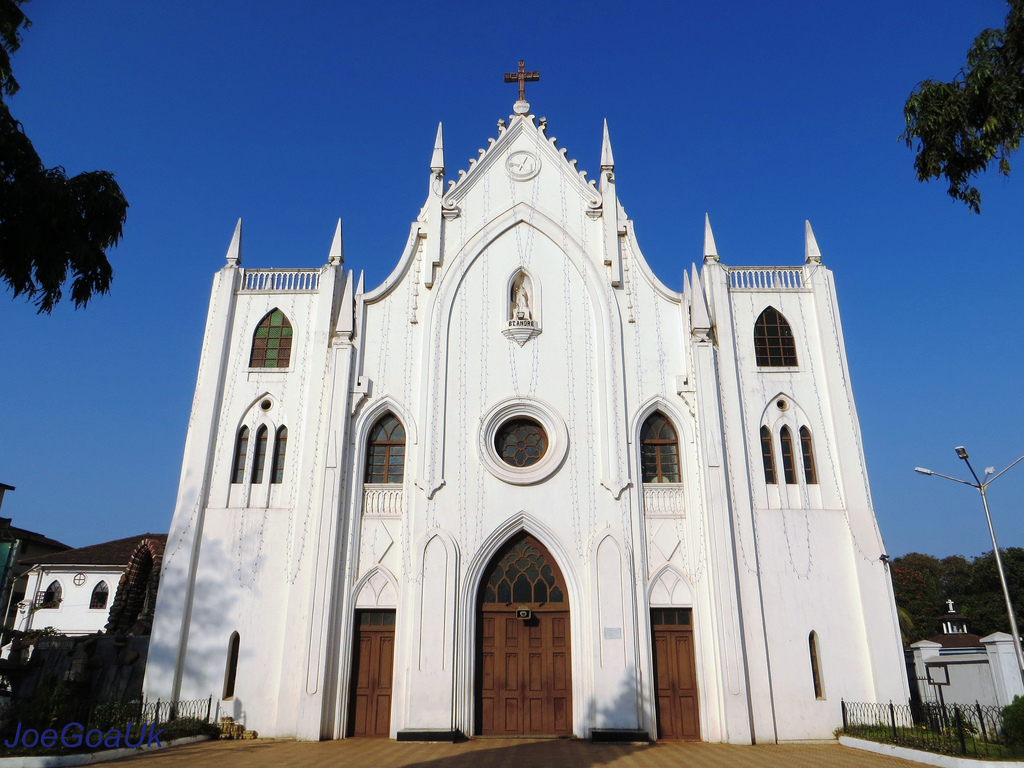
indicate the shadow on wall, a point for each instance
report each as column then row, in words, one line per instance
column 622, row 712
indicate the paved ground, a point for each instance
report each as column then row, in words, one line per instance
column 506, row 753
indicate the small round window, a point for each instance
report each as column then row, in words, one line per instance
column 521, row 442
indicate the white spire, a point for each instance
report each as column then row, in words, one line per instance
column 710, row 250
column 607, row 158
column 235, row 249
column 812, row 254
column 346, row 322
column 337, row 255
column 437, row 159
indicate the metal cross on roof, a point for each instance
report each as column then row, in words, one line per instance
column 522, row 78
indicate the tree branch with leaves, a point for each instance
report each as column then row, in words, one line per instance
column 963, row 126
column 52, row 227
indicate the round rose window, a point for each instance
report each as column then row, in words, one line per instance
column 521, row 442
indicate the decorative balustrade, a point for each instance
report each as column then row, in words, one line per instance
column 664, row 500
column 293, row 280
column 382, row 500
column 766, row 278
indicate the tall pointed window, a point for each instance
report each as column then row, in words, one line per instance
column 272, row 342
column 260, row 459
column 99, row 596
column 659, row 451
column 788, row 468
column 280, row 447
column 385, row 462
column 773, row 340
column 241, row 449
column 805, row 445
column 768, row 456
column 232, row 667
column 812, row 644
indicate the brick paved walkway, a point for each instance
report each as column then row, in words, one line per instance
column 505, row 753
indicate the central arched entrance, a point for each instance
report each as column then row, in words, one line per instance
column 524, row 670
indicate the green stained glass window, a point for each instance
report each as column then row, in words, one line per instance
column 272, row 342
column 385, row 461
column 521, row 442
column 523, row 574
column 241, row 447
column 659, row 451
column 280, row 448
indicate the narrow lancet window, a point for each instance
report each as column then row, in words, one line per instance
column 260, row 459
column 812, row 643
column 773, row 340
column 768, row 456
column 280, row 447
column 232, row 668
column 385, row 462
column 805, row 444
column 788, row 468
column 241, row 449
column 272, row 342
column 659, row 451
column 99, row 596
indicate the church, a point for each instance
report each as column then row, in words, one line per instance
column 522, row 487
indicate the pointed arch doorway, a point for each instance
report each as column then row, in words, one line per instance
column 524, row 670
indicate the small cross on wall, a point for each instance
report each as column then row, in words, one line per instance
column 522, row 78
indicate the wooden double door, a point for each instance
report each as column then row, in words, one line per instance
column 675, row 674
column 524, row 666
column 373, row 656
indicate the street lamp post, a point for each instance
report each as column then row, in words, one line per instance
column 982, row 486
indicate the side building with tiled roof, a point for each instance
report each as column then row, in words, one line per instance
column 17, row 544
column 109, row 586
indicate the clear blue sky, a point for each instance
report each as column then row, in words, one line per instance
column 291, row 115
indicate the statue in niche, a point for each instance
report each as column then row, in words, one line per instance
column 521, row 291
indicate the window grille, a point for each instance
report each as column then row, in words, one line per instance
column 774, row 344
column 659, row 451
column 385, row 461
column 272, row 342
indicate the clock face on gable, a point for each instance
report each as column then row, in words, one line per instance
column 522, row 165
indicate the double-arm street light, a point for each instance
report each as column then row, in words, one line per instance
column 982, row 486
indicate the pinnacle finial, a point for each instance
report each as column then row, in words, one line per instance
column 700, row 318
column 437, row 159
column 607, row 158
column 710, row 249
column 234, row 256
column 812, row 254
column 337, row 255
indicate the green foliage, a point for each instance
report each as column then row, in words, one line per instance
column 964, row 125
column 188, row 726
column 48, row 708
column 1013, row 721
column 50, row 224
column 922, row 584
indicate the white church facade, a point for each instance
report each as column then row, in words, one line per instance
column 524, row 488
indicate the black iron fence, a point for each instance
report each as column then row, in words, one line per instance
column 974, row 730
column 56, row 714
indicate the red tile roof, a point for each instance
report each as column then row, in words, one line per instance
column 108, row 553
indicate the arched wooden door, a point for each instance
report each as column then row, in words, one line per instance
column 524, row 675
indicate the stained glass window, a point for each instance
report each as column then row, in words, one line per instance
column 385, row 461
column 521, row 442
column 261, row 455
column 788, row 469
column 524, row 575
column 805, row 444
column 241, row 448
column 768, row 456
column 659, row 451
column 280, row 447
column 773, row 340
column 272, row 342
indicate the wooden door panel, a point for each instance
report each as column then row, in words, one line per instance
column 675, row 682
column 372, row 673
